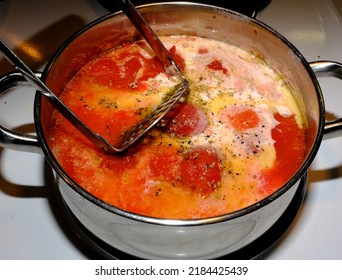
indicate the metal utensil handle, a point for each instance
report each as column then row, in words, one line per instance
column 10, row 139
column 149, row 35
column 333, row 128
column 56, row 102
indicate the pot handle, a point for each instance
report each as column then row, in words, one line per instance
column 11, row 139
column 333, row 128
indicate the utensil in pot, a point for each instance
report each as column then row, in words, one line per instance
column 152, row 39
column 133, row 134
column 57, row 103
column 170, row 67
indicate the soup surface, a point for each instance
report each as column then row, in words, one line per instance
column 235, row 138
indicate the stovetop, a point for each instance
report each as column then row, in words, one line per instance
column 32, row 220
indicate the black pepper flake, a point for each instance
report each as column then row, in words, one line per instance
column 107, row 103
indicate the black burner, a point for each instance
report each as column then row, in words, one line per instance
column 94, row 248
column 247, row 7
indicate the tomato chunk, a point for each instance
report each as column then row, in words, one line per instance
column 290, row 152
column 105, row 72
column 186, row 119
column 152, row 67
column 203, row 50
column 133, row 69
column 217, row 65
column 198, row 169
column 244, row 120
column 178, row 58
column 201, row 170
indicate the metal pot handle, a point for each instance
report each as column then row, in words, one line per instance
column 333, row 128
column 10, row 139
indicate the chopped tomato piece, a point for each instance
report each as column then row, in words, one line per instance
column 152, row 67
column 290, row 152
column 244, row 120
column 198, row 169
column 136, row 68
column 177, row 57
column 203, row 50
column 186, row 119
column 105, row 71
column 201, row 170
column 217, row 65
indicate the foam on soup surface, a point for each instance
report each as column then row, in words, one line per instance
column 236, row 137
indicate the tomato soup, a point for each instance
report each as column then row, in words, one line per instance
column 235, row 138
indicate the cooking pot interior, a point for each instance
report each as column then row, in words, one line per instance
column 199, row 20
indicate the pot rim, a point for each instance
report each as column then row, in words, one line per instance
column 182, row 222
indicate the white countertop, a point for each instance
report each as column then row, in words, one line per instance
column 32, row 225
